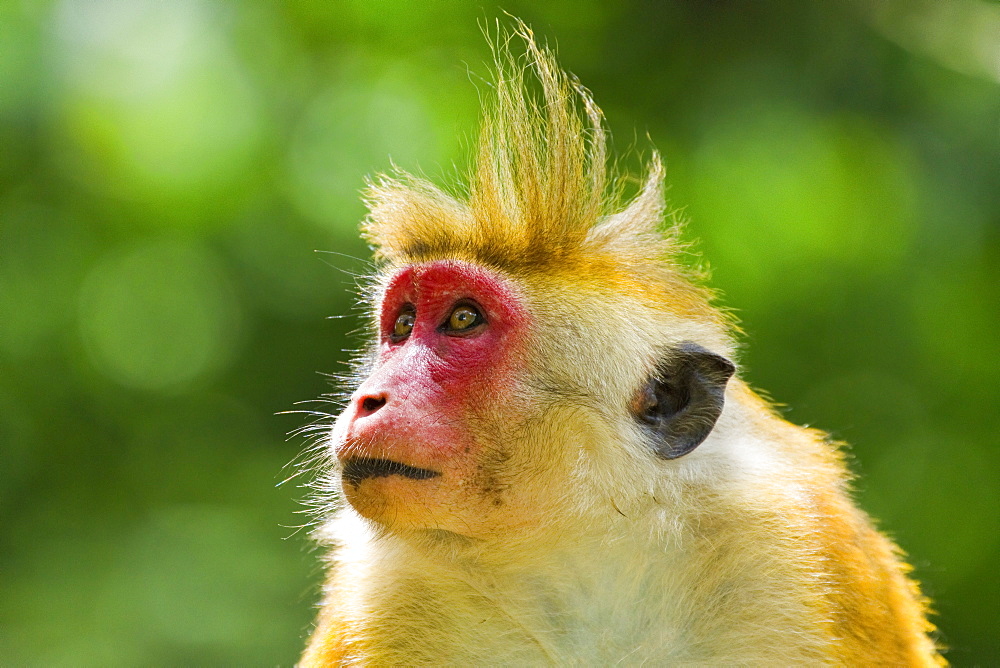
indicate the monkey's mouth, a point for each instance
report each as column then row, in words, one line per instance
column 357, row 469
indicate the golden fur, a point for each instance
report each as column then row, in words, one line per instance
column 748, row 551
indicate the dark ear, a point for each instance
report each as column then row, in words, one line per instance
column 680, row 403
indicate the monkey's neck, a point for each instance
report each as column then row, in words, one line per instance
column 628, row 596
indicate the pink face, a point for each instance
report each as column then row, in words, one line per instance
column 451, row 336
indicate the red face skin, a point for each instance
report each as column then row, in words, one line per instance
column 423, row 404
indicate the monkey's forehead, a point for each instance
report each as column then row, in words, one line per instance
column 449, row 275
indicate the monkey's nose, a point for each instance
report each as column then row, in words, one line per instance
column 370, row 403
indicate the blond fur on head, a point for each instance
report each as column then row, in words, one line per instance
column 537, row 188
column 538, row 199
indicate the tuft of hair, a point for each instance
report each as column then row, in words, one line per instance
column 538, row 199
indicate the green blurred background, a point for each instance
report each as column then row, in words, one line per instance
column 167, row 171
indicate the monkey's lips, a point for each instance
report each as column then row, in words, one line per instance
column 358, row 469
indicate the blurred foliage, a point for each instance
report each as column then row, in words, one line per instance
column 168, row 169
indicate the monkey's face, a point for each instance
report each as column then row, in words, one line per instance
column 417, row 445
column 476, row 419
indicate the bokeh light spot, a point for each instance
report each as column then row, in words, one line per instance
column 151, row 104
column 779, row 190
column 159, row 315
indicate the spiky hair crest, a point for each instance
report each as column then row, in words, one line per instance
column 538, row 200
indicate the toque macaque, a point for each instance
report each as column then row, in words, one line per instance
column 549, row 456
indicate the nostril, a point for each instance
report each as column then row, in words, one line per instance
column 372, row 404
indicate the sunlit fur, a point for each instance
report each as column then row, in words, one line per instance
column 747, row 551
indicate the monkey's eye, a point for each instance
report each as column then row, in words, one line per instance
column 463, row 319
column 404, row 323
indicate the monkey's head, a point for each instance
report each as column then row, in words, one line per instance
column 539, row 354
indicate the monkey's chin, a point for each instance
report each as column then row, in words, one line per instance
column 397, row 500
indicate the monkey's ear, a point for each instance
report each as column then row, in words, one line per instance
column 681, row 402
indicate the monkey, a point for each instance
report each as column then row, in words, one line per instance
column 549, row 456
